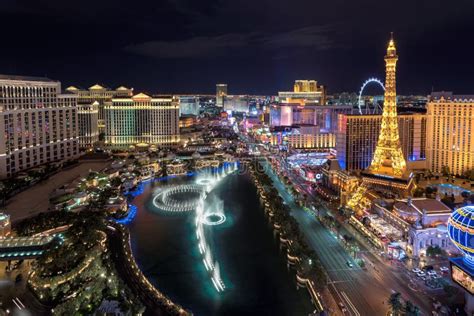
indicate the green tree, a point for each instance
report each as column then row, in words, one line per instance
column 432, row 251
column 115, row 182
column 445, row 171
column 418, row 192
column 395, row 303
column 469, row 174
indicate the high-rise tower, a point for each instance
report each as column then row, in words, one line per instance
column 388, row 157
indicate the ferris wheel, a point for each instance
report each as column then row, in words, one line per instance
column 361, row 102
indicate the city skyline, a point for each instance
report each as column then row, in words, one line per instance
column 184, row 157
column 186, row 53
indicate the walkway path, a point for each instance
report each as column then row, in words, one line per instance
column 36, row 199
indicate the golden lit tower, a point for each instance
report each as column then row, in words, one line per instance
column 388, row 157
column 387, row 174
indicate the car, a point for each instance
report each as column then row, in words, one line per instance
column 427, row 268
column 18, row 278
column 342, row 307
column 349, row 264
column 431, row 272
column 444, row 269
column 421, row 274
column 416, row 270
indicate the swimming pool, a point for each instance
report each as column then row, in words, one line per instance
column 450, row 189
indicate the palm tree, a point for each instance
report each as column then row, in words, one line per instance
column 395, row 303
column 411, row 310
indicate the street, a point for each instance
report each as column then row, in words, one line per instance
column 363, row 292
column 15, row 296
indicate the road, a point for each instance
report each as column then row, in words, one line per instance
column 391, row 277
column 16, row 296
column 363, row 292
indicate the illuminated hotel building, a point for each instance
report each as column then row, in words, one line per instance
column 88, row 116
column 357, row 136
column 142, row 119
column 325, row 117
column 311, row 141
column 101, row 96
column 237, row 103
column 312, row 126
column 188, row 105
column 38, row 124
column 450, row 130
column 221, row 93
column 304, row 91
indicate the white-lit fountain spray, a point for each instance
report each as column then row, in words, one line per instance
column 210, row 214
column 211, row 266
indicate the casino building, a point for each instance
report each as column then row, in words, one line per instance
column 450, row 126
column 88, row 118
column 422, row 222
column 304, row 91
column 142, row 120
column 96, row 97
column 308, row 127
column 38, row 124
column 357, row 136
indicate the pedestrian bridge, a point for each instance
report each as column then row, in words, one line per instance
column 17, row 248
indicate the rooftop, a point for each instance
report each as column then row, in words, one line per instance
column 431, row 206
column 333, row 164
column 25, row 78
column 449, row 96
column 12, row 242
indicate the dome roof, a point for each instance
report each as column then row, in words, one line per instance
column 461, row 230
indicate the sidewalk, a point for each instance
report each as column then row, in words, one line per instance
column 36, row 198
column 330, row 303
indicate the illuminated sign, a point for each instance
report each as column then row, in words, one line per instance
column 462, row 278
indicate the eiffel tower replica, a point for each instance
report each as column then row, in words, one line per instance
column 387, row 174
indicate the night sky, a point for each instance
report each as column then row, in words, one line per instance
column 255, row 46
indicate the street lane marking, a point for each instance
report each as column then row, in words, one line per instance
column 19, row 307
column 350, row 303
column 345, row 269
column 339, row 281
column 19, row 301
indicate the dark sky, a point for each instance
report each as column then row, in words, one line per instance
column 255, row 46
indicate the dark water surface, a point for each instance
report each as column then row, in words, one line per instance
column 252, row 267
